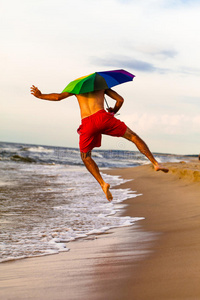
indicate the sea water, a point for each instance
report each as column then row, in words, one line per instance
column 48, row 198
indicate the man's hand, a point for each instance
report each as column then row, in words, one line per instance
column 119, row 100
column 110, row 110
column 35, row 92
column 52, row 97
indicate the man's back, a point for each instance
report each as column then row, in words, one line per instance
column 90, row 103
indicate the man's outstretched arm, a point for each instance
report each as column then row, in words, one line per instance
column 119, row 100
column 52, row 97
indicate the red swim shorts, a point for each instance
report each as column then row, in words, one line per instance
column 92, row 128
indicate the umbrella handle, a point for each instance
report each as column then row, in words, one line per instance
column 108, row 106
column 106, row 102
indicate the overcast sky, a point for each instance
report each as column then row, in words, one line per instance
column 50, row 43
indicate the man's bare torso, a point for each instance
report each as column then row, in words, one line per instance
column 90, row 103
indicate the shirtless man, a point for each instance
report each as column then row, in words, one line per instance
column 96, row 121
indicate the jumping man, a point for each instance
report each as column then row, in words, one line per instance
column 95, row 122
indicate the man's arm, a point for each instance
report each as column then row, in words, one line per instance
column 119, row 100
column 52, row 97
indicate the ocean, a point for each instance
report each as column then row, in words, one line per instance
column 48, row 198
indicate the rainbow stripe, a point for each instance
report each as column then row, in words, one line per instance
column 98, row 81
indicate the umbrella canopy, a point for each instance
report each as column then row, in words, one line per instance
column 98, row 81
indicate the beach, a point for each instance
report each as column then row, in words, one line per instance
column 158, row 258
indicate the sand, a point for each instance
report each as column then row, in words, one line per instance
column 158, row 258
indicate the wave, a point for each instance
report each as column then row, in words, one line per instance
column 39, row 149
column 51, row 155
column 22, row 158
column 97, row 154
column 28, row 159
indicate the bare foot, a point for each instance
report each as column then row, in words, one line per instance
column 160, row 168
column 108, row 194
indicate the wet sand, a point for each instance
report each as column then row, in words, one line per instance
column 157, row 258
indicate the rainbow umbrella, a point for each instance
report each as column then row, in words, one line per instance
column 98, row 81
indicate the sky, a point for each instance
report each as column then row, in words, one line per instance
column 50, row 43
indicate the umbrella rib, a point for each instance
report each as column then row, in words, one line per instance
column 106, row 102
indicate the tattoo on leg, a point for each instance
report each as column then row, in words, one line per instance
column 85, row 155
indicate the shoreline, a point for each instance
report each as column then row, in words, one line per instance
column 156, row 258
column 171, row 206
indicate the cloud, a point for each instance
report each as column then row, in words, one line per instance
column 190, row 100
column 164, row 54
column 126, row 1
column 144, row 66
column 155, row 51
column 178, row 3
column 158, row 50
column 177, row 124
column 129, row 63
column 173, row 4
column 189, row 71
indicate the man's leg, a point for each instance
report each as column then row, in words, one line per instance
column 143, row 148
column 94, row 170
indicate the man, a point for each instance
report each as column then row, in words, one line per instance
column 95, row 122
